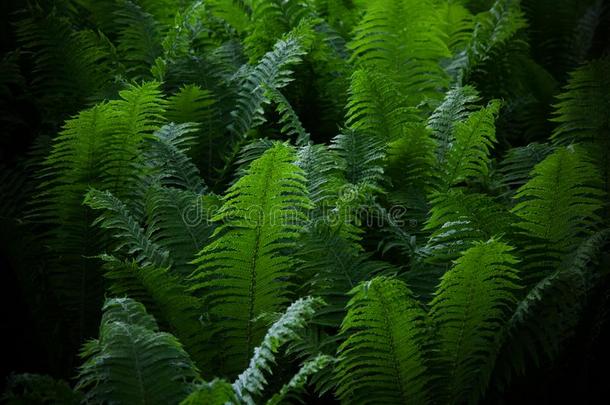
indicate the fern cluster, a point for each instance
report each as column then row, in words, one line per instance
column 265, row 201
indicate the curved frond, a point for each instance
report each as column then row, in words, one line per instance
column 127, row 230
column 168, row 298
column 458, row 104
column 168, row 155
column 251, row 382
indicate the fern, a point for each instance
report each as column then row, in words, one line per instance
column 179, row 221
column 100, row 148
column 167, row 153
column 291, row 125
column 132, row 362
column 297, row 383
column 361, row 156
column 469, row 155
column 546, row 317
column 242, row 266
column 271, row 19
column 138, row 38
column 408, row 53
column 251, row 381
column 557, row 207
column 494, row 31
column 459, row 102
column 75, row 65
column 580, row 113
column 271, row 72
column 517, row 164
column 376, row 107
column 458, row 219
column 331, row 266
column 216, row 392
column 116, row 216
column 166, row 297
column 383, row 359
column 471, row 305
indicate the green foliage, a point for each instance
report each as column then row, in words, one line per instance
column 581, row 113
column 403, row 39
column 471, row 146
column 259, row 221
column 383, row 359
column 436, row 171
column 132, row 361
column 470, row 307
column 251, row 381
column 557, row 207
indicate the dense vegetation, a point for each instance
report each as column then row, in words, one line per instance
column 325, row 201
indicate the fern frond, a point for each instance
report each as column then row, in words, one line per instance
column 250, row 383
column 410, row 168
column 323, row 174
column 297, row 383
column 376, row 107
column 581, row 113
column 331, row 266
column 458, row 104
column 179, row 221
column 270, row 19
column 246, row 265
column 101, row 148
column 168, row 155
column 132, row 362
column 458, row 219
column 515, row 168
column 167, row 298
column 139, row 38
column 493, row 30
column 557, row 207
column 291, row 124
column 404, row 39
column 127, row 230
column 383, row 359
column 473, row 140
column 271, row 72
column 74, row 65
column 361, row 157
column 546, row 317
column 471, row 305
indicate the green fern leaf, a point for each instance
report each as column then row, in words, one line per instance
column 382, row 360
column 132, row 362
column 243, row 273
column 557, row 207
column 470, row 307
